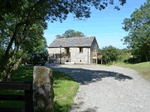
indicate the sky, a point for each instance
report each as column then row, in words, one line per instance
column 105, row 25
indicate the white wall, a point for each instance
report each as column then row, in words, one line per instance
column 52, row 51
column 55, row 50
column 90, row 55
column 76, row 56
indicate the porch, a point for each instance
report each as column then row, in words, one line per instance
column 96, row 56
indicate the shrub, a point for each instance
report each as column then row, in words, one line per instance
column 110, row 54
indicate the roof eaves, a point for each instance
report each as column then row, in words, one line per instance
column 69, row 46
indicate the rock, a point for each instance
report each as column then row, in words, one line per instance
column 43, row 93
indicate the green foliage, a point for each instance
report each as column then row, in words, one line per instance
column 46, row 53
column 110, row 54
column 2, row 51
column 124, row 51
column 70, row 33
column 138, row 26
column 35, row 42
column 124, row 54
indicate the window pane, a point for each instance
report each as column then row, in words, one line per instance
column 67, row 50
column 81, row 50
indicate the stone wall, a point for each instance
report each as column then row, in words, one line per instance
column 79, row 57
column 75, row 56
column 94, row 47
column 43, row 93
column 52, row 51
column 63, row 60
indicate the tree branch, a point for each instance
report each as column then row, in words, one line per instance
column 15, row 66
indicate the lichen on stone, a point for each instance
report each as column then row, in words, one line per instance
column 43, row 89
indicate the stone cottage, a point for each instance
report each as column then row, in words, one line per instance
column 74, row 50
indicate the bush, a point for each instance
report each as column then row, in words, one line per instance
column 110, row 54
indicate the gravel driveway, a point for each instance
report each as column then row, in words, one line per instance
column 107, row 89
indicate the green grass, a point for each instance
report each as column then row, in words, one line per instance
column 64, row 89
column 142, row 68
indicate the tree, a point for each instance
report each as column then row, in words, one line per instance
column 110, row 54
column 71, row 33
column 18, row 18
column 138, row 26
column 34, row 42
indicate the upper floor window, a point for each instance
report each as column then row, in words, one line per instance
column 66, row 50
column 80, row 50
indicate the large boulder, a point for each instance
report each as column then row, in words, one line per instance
column 43, row 93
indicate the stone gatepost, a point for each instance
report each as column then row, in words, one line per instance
column 43, row 93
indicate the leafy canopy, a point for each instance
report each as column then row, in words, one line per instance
column 110, row 54
column 138, row 26
column 70, row 33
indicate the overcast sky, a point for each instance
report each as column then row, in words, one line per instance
column 105, row 25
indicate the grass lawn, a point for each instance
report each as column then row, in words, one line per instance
column 64, row 89
column 142, row 68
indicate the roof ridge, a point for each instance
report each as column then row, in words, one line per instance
column 77, row 37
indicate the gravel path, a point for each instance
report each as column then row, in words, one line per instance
column 108, row 89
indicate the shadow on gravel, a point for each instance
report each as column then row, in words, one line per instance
column 89, row 110
column 79, row 105
column 85, row 76
column 76, row 106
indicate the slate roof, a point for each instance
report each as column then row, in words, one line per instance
column 72, row 42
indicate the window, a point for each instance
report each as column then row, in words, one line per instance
column 66, row 50
column 80, row 50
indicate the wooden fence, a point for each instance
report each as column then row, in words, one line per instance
column 28, row 97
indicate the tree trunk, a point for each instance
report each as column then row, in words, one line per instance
column 25, row 64
column 12, row 40
column 9, row 72
column 6, row 70
column 15, row 67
